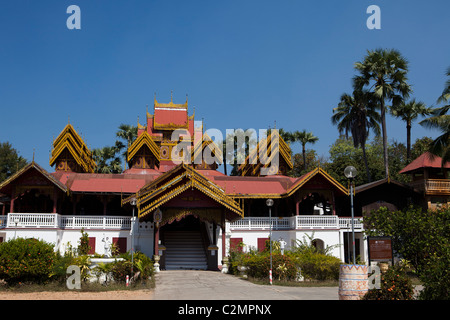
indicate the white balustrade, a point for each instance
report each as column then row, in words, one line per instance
column 54, row 220
column 295, row 222
column 32, row 220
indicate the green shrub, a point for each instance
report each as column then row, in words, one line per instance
column 258, row 266
column 436, row 277
column 26, row 260
column 60, row 265
column 142, row 264
column 395, row 285
column 318, row 266
column 120, row 270
column 84, row 248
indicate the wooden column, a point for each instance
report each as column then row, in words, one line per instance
column 105, row 202
column 224, row 242
column 214, row 239
column 13, row 194
column 156, row 253
column 55, row 200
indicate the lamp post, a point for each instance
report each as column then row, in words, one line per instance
column 133, row 204
column 350, row 173
column 269, row 203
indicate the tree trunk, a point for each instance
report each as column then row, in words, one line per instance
column 304, row 156
column 383, row 126
column 408, row 140
column 369, row 178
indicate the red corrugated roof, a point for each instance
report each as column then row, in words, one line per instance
column 177, row 117
column 108, row 185
column 425, row 160
column 115, row 183
column 252, row 185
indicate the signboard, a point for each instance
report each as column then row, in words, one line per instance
column 380, row 249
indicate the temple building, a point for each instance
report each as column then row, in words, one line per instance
column 171, row 202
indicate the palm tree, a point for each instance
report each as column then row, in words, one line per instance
column 408, row 112
column 304, row 138
column 384, row 73
column 106, row 159
column 129, row 134
column 357, row 114
column 440, row 119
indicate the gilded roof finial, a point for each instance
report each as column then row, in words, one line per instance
column 171, row 95
column 33, row 154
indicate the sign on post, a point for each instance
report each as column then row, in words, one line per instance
column 380, row 249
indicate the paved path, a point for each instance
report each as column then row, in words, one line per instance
column 211, row 285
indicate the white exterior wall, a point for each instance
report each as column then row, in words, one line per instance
column 144, row 237
column 330, row 238
column 62, row 239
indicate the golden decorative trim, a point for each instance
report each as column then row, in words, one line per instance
column 69, row 139
column 143, row 139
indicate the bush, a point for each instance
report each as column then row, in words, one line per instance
column 395, row 285
column 120, row 270
column 318, row 266
column 142, row 264
column 60, row 265
column 26, row 260
column 436, row 277
column 83, row 247
column 258, row 266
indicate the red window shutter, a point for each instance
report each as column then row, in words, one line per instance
column 121, row 244
column 234, row 244
column 91, row 245
column 262, row 244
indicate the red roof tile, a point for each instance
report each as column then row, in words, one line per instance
column 425, row 160
column 116, row 183
column 178, row 117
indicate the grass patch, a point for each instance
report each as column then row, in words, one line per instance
column 312, row 283
column 56, row 286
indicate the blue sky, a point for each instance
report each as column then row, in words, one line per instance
column 243, row 64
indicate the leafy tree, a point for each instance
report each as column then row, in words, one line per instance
column 357, row 114
column 312, row 161
column 384, row 73
column 420, row 146
column 10, row 161
column 408, row 112
column 423, row 238
column 343, row 154
column 107, row 160
column 440, row 119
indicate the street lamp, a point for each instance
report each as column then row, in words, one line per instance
column 269, row 203
column 350, row 173
column 133, row 204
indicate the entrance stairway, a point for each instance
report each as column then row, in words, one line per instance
column 184, row 250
